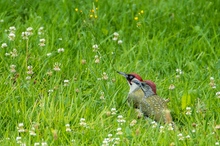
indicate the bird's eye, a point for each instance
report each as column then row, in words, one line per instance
column 130, row 77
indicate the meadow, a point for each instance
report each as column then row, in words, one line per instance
column 58, row 62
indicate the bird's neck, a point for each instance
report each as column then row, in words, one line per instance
column 133, row 88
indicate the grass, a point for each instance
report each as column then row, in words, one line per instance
column 158, row 38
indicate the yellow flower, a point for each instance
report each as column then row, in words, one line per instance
column 76, row 9
column 136, row 18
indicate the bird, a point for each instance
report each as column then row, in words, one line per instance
column 142, row 95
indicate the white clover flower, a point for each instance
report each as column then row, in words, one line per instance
column 42, row 42
column 60, row 50
column 115, row 34
column 4, row 45
column 154, row 124
column 133, row 122
column 57, row 66
column 188, row 137
column 11, row 36
column 171, row 87
column 44, row 144
column 36, row 144
column 104, row 76
column 12, row 29
column 115, row 39
column 14, row 53
column 30, row 30
column 25, row 35
column 212, row 78
column 120, row 41
column 113, row 111
column 119, row 132
column 49, row 54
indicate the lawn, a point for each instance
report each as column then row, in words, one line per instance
column 58, row 62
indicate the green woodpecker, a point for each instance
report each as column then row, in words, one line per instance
column 142, row 95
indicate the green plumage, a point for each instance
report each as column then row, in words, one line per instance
column 153, row 106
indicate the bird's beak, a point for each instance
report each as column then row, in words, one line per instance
column 123, row 74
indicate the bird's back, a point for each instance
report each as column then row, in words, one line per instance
column 155, row 107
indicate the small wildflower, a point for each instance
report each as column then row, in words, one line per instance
column 115, row 34
column 188, row 111
column 115, row 39
column 217, row 143
column 56, row 66
column 42, row 42
column 68, row 128
column 7, row 54
column 212, row 82
column 82, row 122
column 11, row 36
column 30, row 70
column 14, row 53
column 30, row 30
column 161, row 129
column 142, row 11
column 170, row 127
column 136, row 18
column 180, row 135
column 212, row 79
column 120, row 119
column 120, row 41
column 193, row 131
column 218, row 94
column 188, row 137
column 76, row 9
column 60, row 50
column 95, row 48
column 113, row 110
column 119, row 132
column 66, row 82
column 25, row 35
column 77, row 90
column 83, row 61
column 18, row 139
column 105, row 76
column 28, row 78
column 40, row 30
column 1, row 20
column 50, row 91
column 217, row 127
column 4, row 45
column 49, row 73
column 12, row 68
column 154, row 124
column 21, row 127
column 97, row 60
column 49, row 54
column 36, row 144
column 133, row 122
column 102, row 96
column 44, row 144
column 32, row 133
column 12, row 29
column 171, row 87
column 108, row 113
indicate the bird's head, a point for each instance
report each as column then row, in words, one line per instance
column 148, row 87
column 130, row 77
